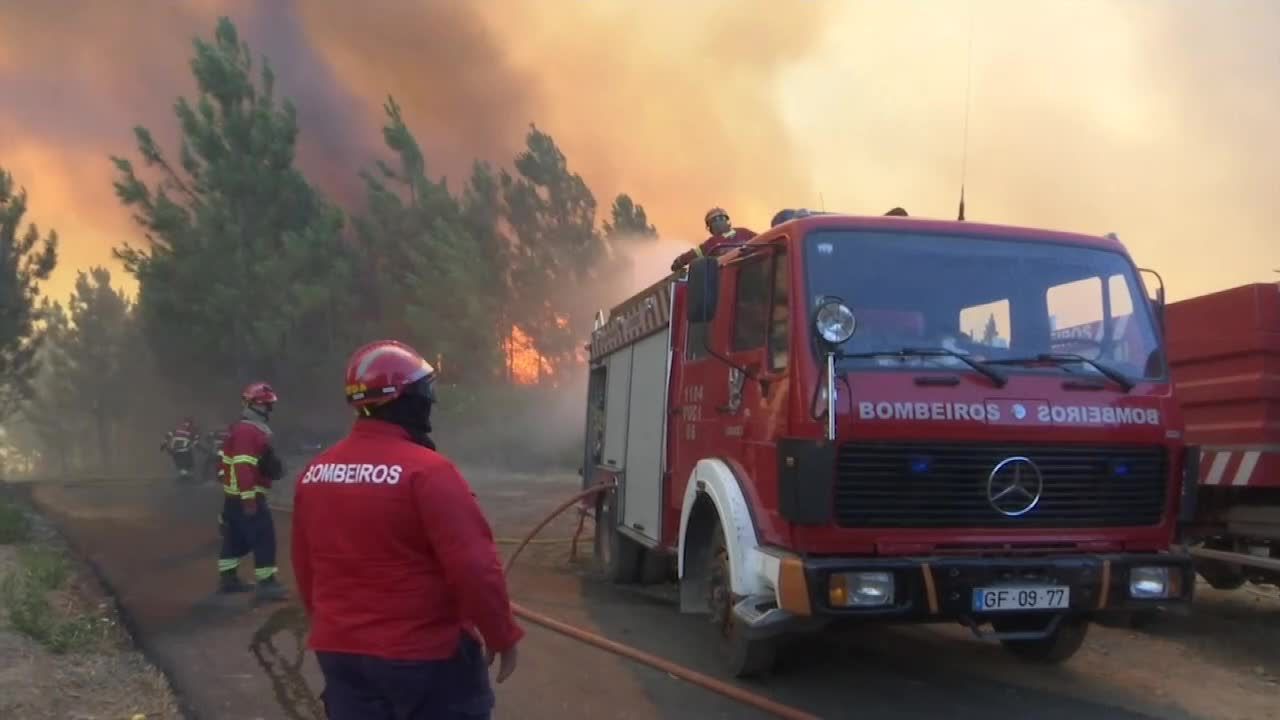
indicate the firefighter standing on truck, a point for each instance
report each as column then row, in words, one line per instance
column 248, row 467
column 179, row 443
column 395, row 562
column 722, row 233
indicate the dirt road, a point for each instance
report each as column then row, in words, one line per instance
column 156, row 544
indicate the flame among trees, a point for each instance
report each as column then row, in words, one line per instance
column 248, row 271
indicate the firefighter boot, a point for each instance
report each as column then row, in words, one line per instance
column 270, row 590
column 229, row 582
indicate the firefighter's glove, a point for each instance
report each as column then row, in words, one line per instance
column 270, row 466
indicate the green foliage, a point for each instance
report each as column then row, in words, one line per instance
column 630, row 223
column 14, row 525
column 247, row 272
column 25, row 595
column 44, row 566
column 26, row 259
column 244, row 271
column 433, row 259
column 85, row 411
column 552, row 213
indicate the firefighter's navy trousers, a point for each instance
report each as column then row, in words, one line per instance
column 243, row 534
column 361, row 687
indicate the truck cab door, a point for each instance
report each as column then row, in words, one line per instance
column 755, row 413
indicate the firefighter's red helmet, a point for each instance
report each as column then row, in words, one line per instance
column 714, row 213
column 382, row 371
column 259, row 393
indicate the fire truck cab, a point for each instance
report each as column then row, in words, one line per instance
column 853, row 419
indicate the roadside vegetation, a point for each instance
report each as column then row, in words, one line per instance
column 63, row 651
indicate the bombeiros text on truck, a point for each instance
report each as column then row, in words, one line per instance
column 889, row 419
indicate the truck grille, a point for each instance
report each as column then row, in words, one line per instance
column 942, row 485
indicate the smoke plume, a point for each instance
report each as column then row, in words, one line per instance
column 655, row 101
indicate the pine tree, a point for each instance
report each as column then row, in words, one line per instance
column 244, row 275
column 26, row 260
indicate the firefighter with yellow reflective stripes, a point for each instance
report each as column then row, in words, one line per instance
column 723, row 235
column 248, row 466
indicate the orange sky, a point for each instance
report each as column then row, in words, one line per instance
column 1152, row 119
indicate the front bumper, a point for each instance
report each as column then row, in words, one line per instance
column 941, row 588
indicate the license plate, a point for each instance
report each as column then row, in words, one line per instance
column 1026, row 597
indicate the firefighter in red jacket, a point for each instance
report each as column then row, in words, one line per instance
column 248, row 467
column 394, row 560
column 179, row 443
column 722, row 234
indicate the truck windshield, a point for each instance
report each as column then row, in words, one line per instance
column 1006, row 301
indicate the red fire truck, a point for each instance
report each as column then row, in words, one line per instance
column 1224, row 349
column 854, row 419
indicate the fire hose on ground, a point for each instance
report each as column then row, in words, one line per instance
column 693, row 677
column 679, row 672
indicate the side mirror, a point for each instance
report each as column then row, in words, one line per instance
column 1157, row 303
column 704, row 289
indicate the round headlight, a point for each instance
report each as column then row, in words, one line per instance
column 834, row 322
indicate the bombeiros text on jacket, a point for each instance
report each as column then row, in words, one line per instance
column 353, row 473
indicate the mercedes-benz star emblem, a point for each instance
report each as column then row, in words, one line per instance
column 1014, row 486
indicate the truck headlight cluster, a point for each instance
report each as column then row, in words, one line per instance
column 860, row 589
column 1155, row 583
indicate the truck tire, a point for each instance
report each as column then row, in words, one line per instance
column 617, row 557
column 1057, row 648
column 1220, row 575
column 744, row 658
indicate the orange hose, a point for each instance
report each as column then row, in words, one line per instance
column 691, row 676
column 593, row 490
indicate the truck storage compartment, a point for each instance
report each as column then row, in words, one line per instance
column 1224, row 353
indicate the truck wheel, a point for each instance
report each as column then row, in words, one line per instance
column 1220, row 575
column 743, row 657
column 617, row 556
column 1057, row 648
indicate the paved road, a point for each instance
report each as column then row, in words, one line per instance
column 155, row 545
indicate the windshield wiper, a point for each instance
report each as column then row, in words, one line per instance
column 1111, row 373
column 996, row 377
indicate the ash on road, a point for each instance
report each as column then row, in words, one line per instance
column 156, row 545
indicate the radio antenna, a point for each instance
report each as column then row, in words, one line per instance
column 822, row 205
column 968, row 95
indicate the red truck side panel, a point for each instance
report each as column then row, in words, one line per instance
column 1224, row 351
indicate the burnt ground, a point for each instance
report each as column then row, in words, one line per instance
column 155, row 545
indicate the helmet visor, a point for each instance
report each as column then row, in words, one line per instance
column 424, row 387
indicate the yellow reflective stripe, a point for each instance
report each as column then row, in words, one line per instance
column 264, row 573
column 244, row 493
column 225, row 565
column 697, row 250
column 233, row 485
column 237, row 459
